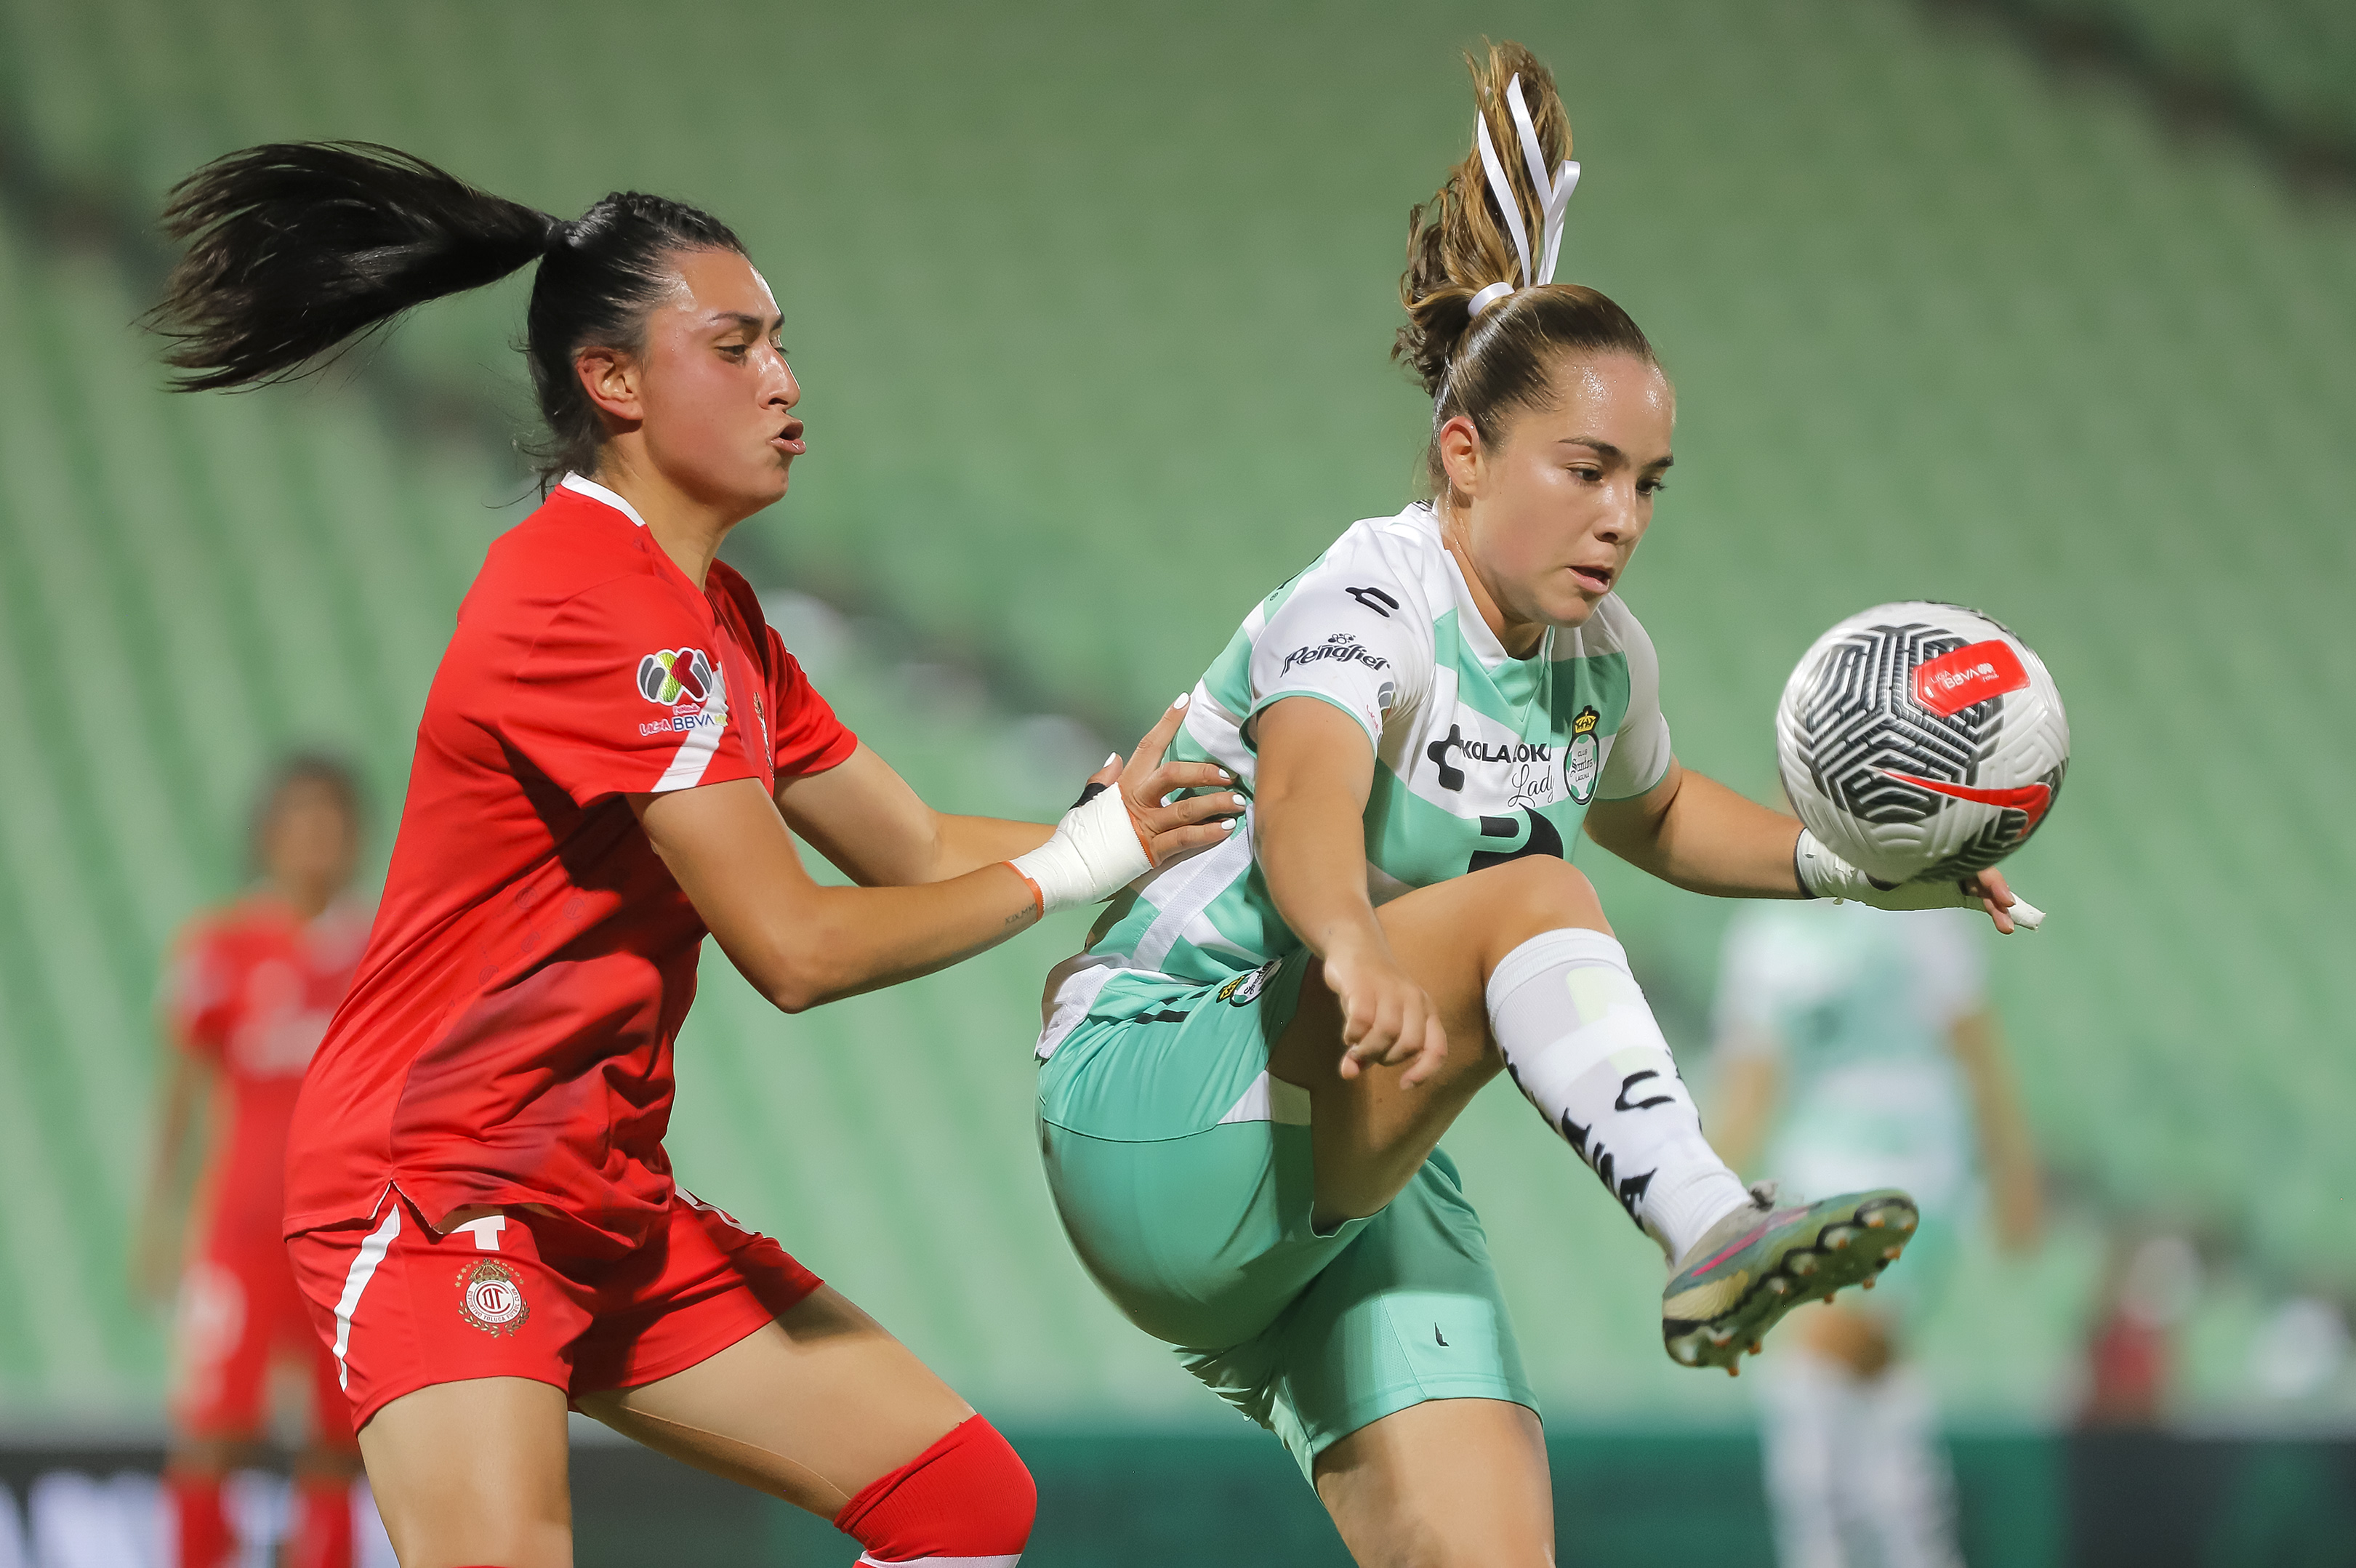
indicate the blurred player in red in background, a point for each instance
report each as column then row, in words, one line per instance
column 246, row 1001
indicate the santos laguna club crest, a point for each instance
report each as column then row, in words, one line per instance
column 489, row 1298
column 1580, row 760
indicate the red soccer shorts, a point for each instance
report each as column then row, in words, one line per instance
column 238, row 1313
column 401, row 1308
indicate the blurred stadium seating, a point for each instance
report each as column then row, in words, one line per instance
column 1091, row 315
column 2290, row 64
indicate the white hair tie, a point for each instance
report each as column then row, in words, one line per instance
column 1487, row 298
column 1554, row 198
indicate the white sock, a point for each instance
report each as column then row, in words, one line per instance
column 1806, row 1426
column 1904, row 1483
column 1581, row 1043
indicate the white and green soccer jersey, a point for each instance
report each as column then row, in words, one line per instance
column 1856, row 1006
column 1479, row 757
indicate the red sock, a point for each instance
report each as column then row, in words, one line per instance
column 966, row 1497
column 198, row 1521
column 323, row 1523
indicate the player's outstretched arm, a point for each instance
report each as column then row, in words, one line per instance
column 2007, row 1151
column 154, row 1251
column 867, row 820
column 1694, row 832
column 803, row 944
column 864, row 818
column 1316, row 768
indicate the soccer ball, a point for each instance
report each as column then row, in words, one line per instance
column 1922, row 741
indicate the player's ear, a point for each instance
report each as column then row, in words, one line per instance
column 611, row 379
column 1459, row 455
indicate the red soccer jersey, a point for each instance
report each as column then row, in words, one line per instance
column 250, row 991
column 508, row 1040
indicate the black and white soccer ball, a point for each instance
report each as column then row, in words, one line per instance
column 1922, row 741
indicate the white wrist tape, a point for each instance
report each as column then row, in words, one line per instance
column 1823, row 875
column 1094, row 853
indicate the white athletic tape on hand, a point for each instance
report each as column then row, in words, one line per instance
column 1094, row 853
column 1823, row 875
column 1097, row 850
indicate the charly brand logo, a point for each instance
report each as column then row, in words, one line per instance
column 1580, row 758
column 1339, row 648
column 1374, row 599
column 489, row 1298
column 682, row 680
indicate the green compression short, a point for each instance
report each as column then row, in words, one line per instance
column 1182, row 1173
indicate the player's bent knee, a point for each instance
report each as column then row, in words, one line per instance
column 968, row 1495
column 1536, row 893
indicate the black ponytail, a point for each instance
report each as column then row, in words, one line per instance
column 297, row 249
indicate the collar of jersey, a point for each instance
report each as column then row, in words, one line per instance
column 664, row 565
column 1472, row 626
column 597, row 492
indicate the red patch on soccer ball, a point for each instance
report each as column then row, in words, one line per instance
column 1953, row 681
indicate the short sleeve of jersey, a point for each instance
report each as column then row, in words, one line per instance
column 200, row 993
column 806, row 736
column 1359, row 642
column 624, row 692
column 1640, row 754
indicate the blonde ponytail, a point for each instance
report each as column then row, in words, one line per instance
column 1462, row 245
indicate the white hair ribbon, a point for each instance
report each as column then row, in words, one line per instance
column 1554, row 194
column 1554, row 198
column 1504, row 191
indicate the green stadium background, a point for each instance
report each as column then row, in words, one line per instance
column 1091, row 306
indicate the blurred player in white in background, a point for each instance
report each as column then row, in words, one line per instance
column 1856, row 1048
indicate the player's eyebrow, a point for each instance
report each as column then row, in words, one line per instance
column 1606, row 448
column 746, row 318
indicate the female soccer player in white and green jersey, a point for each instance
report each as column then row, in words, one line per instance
column 1247, row 1075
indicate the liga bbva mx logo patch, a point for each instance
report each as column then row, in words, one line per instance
column 489, row 1298
column 669, row 676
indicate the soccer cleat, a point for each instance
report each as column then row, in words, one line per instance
column 1758, row 1263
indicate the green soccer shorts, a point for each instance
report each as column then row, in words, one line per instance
column 1183, row 1174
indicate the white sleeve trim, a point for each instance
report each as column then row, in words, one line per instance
column 695, row 752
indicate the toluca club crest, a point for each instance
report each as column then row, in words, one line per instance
column 489, row 1298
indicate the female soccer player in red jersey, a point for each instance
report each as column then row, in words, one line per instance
column 479, row 1209
column 248, row 997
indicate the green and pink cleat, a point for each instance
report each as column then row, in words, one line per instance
column 1758, row 1263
